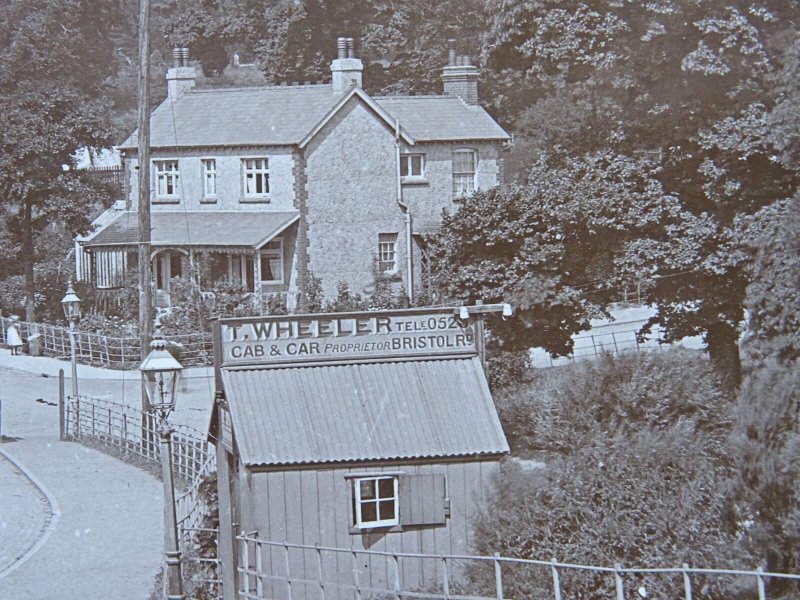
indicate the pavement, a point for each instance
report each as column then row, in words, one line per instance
column 74, row 522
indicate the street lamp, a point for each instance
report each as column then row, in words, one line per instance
column 160, row 373
column 72, row 310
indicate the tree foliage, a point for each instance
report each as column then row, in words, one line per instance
column 55, row 57
column 634, row 452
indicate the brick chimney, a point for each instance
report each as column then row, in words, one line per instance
column 460, row 76
column 346, row 69
column 180, row 77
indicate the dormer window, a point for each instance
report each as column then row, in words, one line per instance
column 165, row 174
column 255, row 173
column 464, row 162
column 412, row 166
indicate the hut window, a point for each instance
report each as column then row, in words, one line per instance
column 375, row 502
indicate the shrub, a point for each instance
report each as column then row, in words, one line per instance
column 563, row 407
column 765, row 495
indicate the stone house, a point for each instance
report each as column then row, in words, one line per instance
column 266, row 186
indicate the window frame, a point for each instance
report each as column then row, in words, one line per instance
column 209, row 175
column 359, row 524
column 381, row 250
column 407, row 161
column 256, row 172
column 458, row 191
column 264, row 254
column 169, row 177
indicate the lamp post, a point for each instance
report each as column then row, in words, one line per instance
column 160, row 373
column 72, row 310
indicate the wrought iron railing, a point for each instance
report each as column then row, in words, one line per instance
column 266, row 571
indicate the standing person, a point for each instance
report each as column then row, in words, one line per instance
column 13, row 338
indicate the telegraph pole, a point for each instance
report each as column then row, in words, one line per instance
column 143, row 158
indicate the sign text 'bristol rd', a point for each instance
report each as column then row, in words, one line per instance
column 343, row 336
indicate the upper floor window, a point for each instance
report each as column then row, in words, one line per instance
column 272, row 262
column 387, row 253
column 412, row 166
column 209, row 177
column 256, row 177
column 166, row 178
column 464, row 162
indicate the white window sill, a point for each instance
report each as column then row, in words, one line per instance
column 208, row 200
column 376, row 529
column 414, row 181
column 255, row 200
column 167, row 200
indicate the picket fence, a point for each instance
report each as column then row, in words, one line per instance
column 257, row 581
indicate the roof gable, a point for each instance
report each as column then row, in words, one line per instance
column 357, row 92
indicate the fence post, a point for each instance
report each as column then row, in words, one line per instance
column 687, row 583
column 321, row 573
column 556, row 580
column 259, row 581
column 594, row 346
column 288, row 574
column 246, row 569
column 762, row 588
column 62, row 424
column 618, row 580
column 397, row 588
column 355, row 576
column 498, row 577
column 445, row 578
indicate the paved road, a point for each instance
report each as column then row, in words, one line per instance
column 107, row 542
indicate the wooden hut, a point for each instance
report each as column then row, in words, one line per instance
column 369, row 431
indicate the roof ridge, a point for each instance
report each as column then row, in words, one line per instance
column 207, row 90
column 409, row 96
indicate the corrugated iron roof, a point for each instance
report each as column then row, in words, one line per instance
column 363, row 412
column 284, row 115
column 199, row 228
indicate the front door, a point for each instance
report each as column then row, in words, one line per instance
column 167, row 265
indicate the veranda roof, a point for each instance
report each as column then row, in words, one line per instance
column 195, row 228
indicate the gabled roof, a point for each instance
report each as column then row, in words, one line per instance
column 436, row 118
column 288, row 115
column 198, row 228
column 418, row 409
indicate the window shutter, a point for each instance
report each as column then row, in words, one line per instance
column 422, row 499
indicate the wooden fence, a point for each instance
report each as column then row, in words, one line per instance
column 258, row 579
column 96, row 349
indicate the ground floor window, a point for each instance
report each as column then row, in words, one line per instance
column 387, row 253
column 375, row 501
column 272, row 262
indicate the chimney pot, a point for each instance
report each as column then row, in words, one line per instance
column 341, row 45
column 351, row 48
column 184, row 57
column 451, row 53
column 176, row 57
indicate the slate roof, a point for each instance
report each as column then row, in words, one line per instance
column 283, row 115
column 363, row 412
column 198, row 228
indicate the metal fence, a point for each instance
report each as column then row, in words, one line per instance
column 132, row 431
column 264, row 572
column 195, row 349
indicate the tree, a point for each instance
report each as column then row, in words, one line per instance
column 55, row 58
column 205, row 30
column 549, row 246
column 694, row 84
